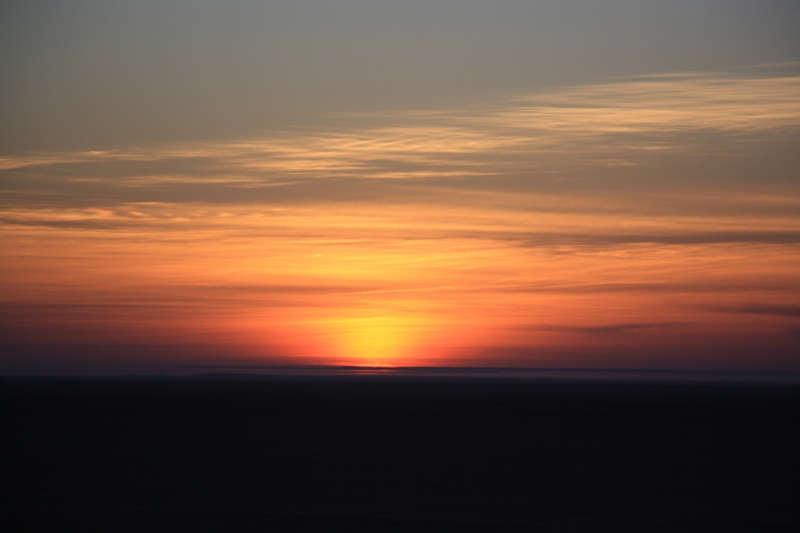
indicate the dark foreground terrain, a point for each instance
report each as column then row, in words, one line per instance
column 377, row 454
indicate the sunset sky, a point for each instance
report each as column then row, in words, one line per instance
column 553, row 184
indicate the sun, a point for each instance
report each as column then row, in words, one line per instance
column 378, row 339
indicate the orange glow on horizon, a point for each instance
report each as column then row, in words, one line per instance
column 376, row 340
column 374, row 337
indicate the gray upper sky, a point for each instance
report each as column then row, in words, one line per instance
column 96, row 75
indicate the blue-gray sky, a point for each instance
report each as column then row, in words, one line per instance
column 98, row 74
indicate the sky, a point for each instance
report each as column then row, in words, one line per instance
column 543, row 184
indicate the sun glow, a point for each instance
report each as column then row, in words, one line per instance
column 379, row 339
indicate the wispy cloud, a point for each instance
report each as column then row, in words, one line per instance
column 602, row 124
column 790, row 311
column 610, row 329
column 662, row 104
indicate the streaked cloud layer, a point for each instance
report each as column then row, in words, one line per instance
column 638, row 221
column 610, row 122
